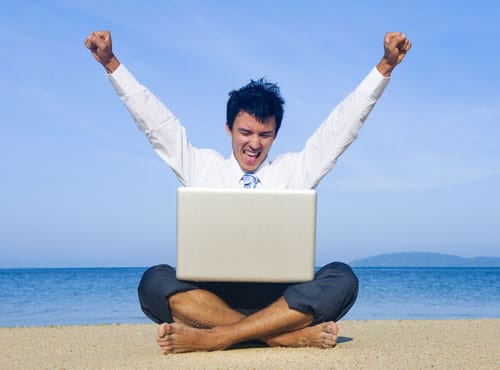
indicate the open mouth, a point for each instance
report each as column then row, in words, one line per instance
column 251, row 157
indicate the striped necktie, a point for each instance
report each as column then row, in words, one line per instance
column 249, row 180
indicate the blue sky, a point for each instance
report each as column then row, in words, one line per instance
column 80, row 185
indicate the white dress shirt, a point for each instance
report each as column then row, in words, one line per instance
column 208, row 168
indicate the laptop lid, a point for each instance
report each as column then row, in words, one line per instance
column 246, row 235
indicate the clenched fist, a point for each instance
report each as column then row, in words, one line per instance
column 99, row 43
column 396, row 45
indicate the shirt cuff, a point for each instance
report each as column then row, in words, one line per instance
column 375, row 83
column 122, row 80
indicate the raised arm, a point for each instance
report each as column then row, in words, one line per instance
column 342, row 126
column 99, row 43
column 396, row 45
column 163, row 130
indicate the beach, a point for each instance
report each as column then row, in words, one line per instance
column 371, row 344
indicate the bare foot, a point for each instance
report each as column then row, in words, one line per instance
column 178, row 338
column 323, row 335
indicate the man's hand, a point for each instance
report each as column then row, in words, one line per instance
column 396, row 45
column 99, row 43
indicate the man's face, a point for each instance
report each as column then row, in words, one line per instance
column 251, row 140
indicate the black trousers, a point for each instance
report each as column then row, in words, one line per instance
column 328, row 296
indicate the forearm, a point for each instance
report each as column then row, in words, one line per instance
column 385, row 68
column 342, row 126
column 111, row 65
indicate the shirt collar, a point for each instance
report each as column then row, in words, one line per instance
column 238, row 172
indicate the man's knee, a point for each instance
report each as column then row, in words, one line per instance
column 340, row 290
column 343, row 275
column 153, row 291
column 150, row 281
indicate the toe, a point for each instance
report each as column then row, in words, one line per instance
column 162, row 330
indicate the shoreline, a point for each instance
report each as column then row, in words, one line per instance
column 363, row 344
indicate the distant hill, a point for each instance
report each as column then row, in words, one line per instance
column 421, row 259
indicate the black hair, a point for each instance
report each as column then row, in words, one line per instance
column 261, row 99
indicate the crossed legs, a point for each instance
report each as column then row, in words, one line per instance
column 212, row 316
column 203, row 322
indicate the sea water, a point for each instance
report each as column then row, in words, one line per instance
column 80, row 296
column 427, row 293
column 34, row 297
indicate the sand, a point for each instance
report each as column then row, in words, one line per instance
column 425, row 344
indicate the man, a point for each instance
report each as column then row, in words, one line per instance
column 196, row 316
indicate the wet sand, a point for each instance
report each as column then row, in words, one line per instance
column 407, row 344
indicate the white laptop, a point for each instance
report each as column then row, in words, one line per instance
column 245, row 235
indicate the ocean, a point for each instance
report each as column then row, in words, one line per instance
column 89, row 296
